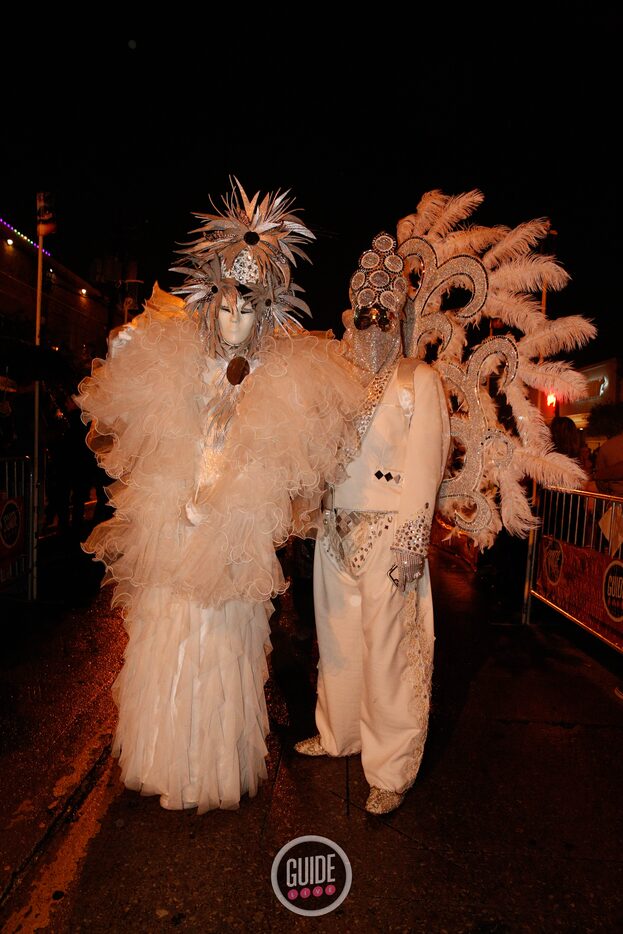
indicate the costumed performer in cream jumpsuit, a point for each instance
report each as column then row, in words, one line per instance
column 374, row 614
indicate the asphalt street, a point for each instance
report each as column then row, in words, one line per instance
column 513, row 825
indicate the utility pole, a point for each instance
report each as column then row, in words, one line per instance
column 34, row 538
column 46, row 224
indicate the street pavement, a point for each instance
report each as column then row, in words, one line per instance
column 513, row 825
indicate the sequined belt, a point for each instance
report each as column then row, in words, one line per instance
column 350, row 535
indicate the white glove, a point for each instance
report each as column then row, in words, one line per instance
column 409, row 567
column 119, row 337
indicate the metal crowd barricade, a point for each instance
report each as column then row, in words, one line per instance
column 16, row 538
column 575, row 560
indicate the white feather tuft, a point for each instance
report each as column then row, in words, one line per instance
column 455, row 210
column 554, row 376
column 552, row 337
column 428, row 210
column 529, row 274
column 516, row 513
column 553, row 469
column 517, row 242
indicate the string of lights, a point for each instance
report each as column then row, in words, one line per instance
column 18, row 233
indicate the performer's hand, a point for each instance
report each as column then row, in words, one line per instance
column 192, row 514
column 408, row 569
column 118, row 337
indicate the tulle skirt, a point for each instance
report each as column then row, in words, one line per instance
column 192, row 712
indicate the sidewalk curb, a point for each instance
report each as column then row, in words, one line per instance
column 66, row 810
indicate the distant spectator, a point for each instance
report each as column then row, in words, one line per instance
column 566, row 436
column 73, row 472
column 587, row 460
column 7, row 424
column 568, row 440
column 609, row 466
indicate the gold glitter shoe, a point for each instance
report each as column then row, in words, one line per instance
column 186, row 806
column 311, row 747
column 381, row 801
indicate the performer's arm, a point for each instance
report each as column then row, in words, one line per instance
column 427, row 453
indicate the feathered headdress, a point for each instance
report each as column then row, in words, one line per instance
column 499, row 435
column 251, row 243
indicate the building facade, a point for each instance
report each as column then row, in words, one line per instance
column 76, row 317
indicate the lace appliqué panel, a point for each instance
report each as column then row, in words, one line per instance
column 418, row 674
column 350, row 535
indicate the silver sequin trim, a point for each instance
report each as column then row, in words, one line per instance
column 374, row 394
column 350, row 535
column 414, row 534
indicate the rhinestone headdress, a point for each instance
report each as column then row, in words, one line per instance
column 378, row 289
column 475, row 279
column 253, row 244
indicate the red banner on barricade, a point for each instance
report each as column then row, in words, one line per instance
column 585, row 584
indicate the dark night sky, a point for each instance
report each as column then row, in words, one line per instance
column 131, row 140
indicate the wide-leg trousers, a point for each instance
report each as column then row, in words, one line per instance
column 376, row 656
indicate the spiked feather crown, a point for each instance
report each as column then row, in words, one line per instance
column 248, row 245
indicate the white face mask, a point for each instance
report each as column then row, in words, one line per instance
column 235, row 325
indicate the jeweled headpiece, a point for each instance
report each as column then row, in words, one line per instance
column 251, row 243
column 378, row 289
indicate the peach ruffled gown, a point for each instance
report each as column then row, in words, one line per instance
column 191, row 546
